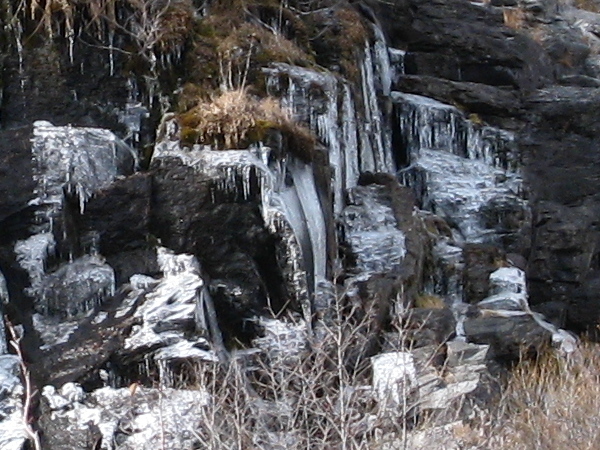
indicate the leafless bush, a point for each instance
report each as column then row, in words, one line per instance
column 312, row 398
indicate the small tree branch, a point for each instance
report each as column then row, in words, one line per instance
column 30, row 393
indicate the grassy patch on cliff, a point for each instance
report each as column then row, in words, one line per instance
column 235, row 119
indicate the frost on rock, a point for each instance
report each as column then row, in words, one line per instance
column 53, row 330
column 371, row 231
column 508, row 279
column 12, row 433
column 508, row 289
column 76, row 287
column 78, row 160
column 171, row 323
column 467, row 193
column 394, row 377
column 447, row 277
column 282, row 342
column 126, row 419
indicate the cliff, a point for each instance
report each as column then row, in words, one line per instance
column 355, row 215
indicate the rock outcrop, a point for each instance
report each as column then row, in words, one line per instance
column 371, row 195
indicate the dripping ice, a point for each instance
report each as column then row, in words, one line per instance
column 79, row 161
column 457, row 168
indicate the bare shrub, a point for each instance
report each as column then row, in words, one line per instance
column 311, row 398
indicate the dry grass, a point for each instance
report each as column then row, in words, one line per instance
column 429, row 301
column 160, row 26
column 293, row 400
column 236, row 119
column 551, row 404
column 588, row 5
column 514, row 18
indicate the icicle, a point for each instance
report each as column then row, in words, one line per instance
column 374, row 127
column 382, row 58
column 71, row 38
column 349, row 140
column 307, row 193
column 166, row 376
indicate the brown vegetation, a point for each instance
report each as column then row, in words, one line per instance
column 514, row 18
column 551, row 404
column 236, row 119
column 588, row 5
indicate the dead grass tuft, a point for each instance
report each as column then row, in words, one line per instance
column 236, row 119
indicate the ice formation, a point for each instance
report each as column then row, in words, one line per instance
column 172, row 306
column 459, row 170
column 78, row 160
column 371, row 230
column 288, row 200
column 358, row 139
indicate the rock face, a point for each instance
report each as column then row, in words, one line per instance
column 384, row 230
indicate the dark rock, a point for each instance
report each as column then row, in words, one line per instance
column 474, row 97
column 471, row 37
column 190, row 214
column 117, row 218
column 560, row 151
column 480, row 261
column 579, row 80
column 555, row 312
column 16, row 183
column 43, row 84
column 428, row 326
column 509, row 338
column 130, row 262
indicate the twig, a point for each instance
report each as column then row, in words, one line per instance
column 27, row 419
